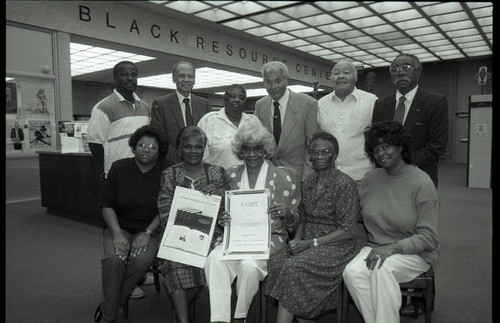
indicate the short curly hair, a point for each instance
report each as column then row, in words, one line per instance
column 328, row 137
column 390, row 132
column 188, row 132
column 253, row 131
column 154, row 132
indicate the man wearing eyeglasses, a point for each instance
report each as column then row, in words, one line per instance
column 424, row 114
column 345, row 113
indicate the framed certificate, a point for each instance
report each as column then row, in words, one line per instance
column 248, row 235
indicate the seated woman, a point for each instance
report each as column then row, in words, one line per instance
column 183, row 281
column 305, row 277
column 254, row 144
column 399, row 207
column 220, row 126
column 131, row 215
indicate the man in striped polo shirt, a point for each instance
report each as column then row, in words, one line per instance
column 115, row 118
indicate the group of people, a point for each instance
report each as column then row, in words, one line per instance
column 327, row 165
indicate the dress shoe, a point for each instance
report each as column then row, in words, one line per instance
column 137, row 293
column 409, row 309
column 98, row 314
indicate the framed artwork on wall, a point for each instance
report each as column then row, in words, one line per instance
column 11, row 97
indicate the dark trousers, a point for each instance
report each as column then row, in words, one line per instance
column 119, row 277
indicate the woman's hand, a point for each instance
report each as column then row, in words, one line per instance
column 121, row 246
column 224, row 219
column 297, row 246
column 278, row 211
column 210, row 189
column 380, row 254
column 140, row 244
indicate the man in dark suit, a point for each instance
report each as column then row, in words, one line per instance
column 179, row 109
column 290, row 116
column 17, row 135
column 424, row 114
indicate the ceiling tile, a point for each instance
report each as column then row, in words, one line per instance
column 403, row 15
column 456, row 25
column 308, row 32
column 309, row 48
column 242, row 7
column 187, row 6
column 378, row 29
column 279, row 37
column 352, row 13
column 301, row 11
column 442, row 8
column 295, row 42
column 388, row 36
column 367, row 21
column 421, row 31
column 262, row 31
column 241, row 24
column 335, row 5
column 390, row 6
column 485, row 21
column 270, row 18
column 415, row 23
column 319, row 20
column 275, row 4
column 215, row 14
column 361, row 40
column 288, row 25
column 333, row 28
column 321, row 39
column 451, row 17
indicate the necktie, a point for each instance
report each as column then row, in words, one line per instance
column 189, row 116
column 400, row 110
column 277, row 122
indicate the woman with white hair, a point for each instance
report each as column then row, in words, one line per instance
column 253, row 144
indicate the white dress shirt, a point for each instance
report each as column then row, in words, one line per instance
column 346, row 120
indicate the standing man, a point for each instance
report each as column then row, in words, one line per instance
column 291, row 117
column 179, row 109
column 424, row 114
column 113, row 121
column 345, row 113
column 115, row 118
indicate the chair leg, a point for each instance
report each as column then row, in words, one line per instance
column 263, row 304
column 157, row 280
column 340, row 303
column 345, row 303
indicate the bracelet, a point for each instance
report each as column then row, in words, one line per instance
column 400, row 246
column 149, row 233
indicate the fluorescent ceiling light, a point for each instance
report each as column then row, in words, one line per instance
column 206, row 77
column 88, row 59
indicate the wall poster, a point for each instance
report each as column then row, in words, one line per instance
column 29, row 114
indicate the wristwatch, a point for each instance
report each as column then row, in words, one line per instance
column 315, row 242
column 149, row 232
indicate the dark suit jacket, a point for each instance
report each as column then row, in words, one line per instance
column 166, row 113
column 299, row 125
column 426, row 123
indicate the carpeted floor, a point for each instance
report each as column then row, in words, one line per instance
column 53, row 264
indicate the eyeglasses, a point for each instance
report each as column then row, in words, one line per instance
column 383, row 147
column 399, row 69
column 317, row 153
column 144, row 146
column 246, row 150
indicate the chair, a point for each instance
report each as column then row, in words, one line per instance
column 156, row 275
column 422, row 286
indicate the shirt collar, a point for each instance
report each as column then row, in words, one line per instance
column 181, row 97
column 120, row 97
column 284, row 99
column 354, row 93
column 409, row 96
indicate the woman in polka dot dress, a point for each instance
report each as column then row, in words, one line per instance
column 305, row 277
column 254, row 144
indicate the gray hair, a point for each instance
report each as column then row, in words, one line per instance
column 275, row 65
column 253, row 131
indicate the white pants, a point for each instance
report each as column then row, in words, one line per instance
column 376, row 292
column 221, row 274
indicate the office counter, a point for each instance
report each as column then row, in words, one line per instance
column 70, row 186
